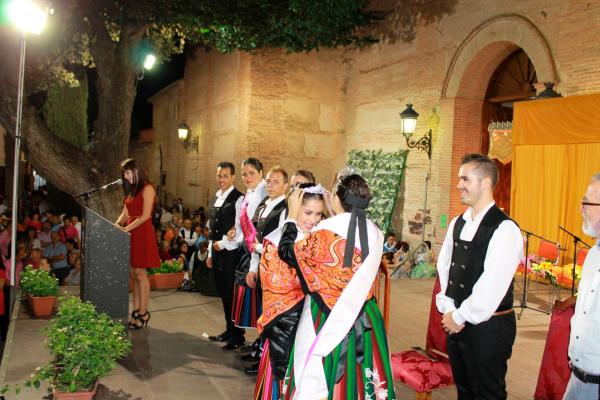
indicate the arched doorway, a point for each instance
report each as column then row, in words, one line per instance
column 513, row 80
column 467, row 83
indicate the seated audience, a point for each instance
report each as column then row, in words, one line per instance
column 74, row 276
column 56, row 252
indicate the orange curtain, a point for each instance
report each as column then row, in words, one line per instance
column 563, row 120
column 551, row 170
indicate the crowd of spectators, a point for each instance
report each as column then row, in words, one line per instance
column 182, row 235
column 45, row 239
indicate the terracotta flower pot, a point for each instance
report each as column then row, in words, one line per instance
column 42, row 306
column 166, row 281
column 84, row 395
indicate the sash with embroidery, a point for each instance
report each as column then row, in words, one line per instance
column 343, row 290
column 281, row 288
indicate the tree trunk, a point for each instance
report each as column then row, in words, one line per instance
column 69, row 168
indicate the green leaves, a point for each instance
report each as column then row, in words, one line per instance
column 38, row 282
column 167, row 267
column 383, row 172
column 84, row 345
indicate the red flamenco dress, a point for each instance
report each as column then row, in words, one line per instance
column 143, row 249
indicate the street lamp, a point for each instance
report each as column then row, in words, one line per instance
column 28, row 17
column 409, row 124
column 548, row 92
column 189, row 143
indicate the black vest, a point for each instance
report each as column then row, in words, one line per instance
column 266, row 225
column 468, row 258
column 222, row 219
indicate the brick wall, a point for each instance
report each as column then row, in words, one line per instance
column 309, row 110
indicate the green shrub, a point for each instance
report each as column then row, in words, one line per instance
column 38, row 282
column 84, row 346
column 167, row 267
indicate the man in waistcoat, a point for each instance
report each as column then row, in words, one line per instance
column 224, row 254
column 476, row 265
column 269, row 215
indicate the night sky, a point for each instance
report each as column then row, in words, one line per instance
column 160, row 76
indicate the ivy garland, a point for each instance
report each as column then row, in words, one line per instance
column 383, row 172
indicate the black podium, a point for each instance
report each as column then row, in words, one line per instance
column 105, row 269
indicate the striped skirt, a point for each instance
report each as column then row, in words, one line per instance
column 359, row 368
column 247, row 306
column 267, row 387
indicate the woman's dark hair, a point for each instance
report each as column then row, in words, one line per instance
column 309, row 196
column 404, row 246
column 139, row 177
column 353, row 184
column 254, row 163
column 306, row 174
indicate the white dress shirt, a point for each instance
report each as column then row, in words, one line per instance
column 504, row 253
column 224, row 243
column 189, row 235
column 253, row 198
column 584, row 345
column 258, row 248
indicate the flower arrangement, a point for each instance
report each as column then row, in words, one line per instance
column 167, row 267
column 545, row 270
column 38, row 282
column 84, row 345
column 556, row 275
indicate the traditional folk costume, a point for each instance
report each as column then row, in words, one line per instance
column 223, row 216
column 282, row 305
column 476, row 267
column 341, row 348
column 247, row 301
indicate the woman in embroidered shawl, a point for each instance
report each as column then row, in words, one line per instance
column 282, row 298
column 341, row 348
column 246, row 301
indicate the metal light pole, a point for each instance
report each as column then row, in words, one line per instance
column 28, row 17
column 15, row 188
column 409, row 123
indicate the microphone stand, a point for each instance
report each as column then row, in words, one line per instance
column 576, row 240
column 87, row 194
column 524, row 305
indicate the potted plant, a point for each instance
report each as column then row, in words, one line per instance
column 84, row 346
column 168, row 276
column 41, row 289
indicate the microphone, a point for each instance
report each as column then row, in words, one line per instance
column 117, row 182
column 87, row 194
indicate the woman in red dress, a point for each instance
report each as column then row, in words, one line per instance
column 136, row 219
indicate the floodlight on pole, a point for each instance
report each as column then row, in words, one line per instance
column 149, row 61
column 28, row 16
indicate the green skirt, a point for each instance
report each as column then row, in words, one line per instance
column 359, row 368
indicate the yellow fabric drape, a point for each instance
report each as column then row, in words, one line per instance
column 564, row 120
column 548, row 182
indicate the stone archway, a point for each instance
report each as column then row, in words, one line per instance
column 468, row 77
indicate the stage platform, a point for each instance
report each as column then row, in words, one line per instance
column 173, row 358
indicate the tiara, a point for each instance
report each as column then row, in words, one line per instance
column 347, row 171
column 318, row 189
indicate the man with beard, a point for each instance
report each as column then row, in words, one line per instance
column 584, row 344
column 478, row 259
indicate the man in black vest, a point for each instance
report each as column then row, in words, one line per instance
column 224, row 254
column 269, row 215
column 476, row 265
